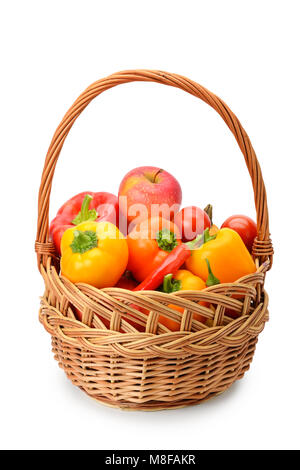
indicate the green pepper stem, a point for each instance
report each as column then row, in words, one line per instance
column 170, row 284
column 166, row 240
column 85, row 214
column 212, row 280
column 207, row 236
column 85, row 206
column 83, row 241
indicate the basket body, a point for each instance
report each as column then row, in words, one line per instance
column 153, row 384
column 141, row 364
column 148, row 371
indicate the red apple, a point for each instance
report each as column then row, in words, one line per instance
column 149, row 191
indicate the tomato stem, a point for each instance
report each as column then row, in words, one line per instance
column 208, row 209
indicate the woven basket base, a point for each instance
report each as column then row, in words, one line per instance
column 94, row 386
column 155, row 406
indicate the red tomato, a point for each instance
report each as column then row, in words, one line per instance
column 191, row 221
column 126, row 282
column 244, row 226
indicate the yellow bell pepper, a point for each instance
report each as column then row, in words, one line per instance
column 227, row 255
column 95, row 253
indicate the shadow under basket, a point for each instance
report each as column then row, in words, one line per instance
column 123, row 356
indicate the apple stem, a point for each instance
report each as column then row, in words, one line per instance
column 156, row 174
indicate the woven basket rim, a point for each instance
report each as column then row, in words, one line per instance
column 96, row 337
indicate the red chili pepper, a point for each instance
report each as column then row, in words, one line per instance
column 170, row 265
column 87, row 206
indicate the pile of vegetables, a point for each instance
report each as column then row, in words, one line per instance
column 103, row 240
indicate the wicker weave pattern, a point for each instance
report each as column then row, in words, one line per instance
column 154, row 369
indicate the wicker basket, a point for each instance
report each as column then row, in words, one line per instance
column 156, row 368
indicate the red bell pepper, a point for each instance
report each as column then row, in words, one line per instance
column 82, row 207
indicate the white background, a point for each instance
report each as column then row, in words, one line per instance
column 245, row 52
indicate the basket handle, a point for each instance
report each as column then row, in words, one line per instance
column 262, row 248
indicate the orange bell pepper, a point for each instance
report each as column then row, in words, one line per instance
column 182, row 280
column 227, row 255
column 149, row 243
